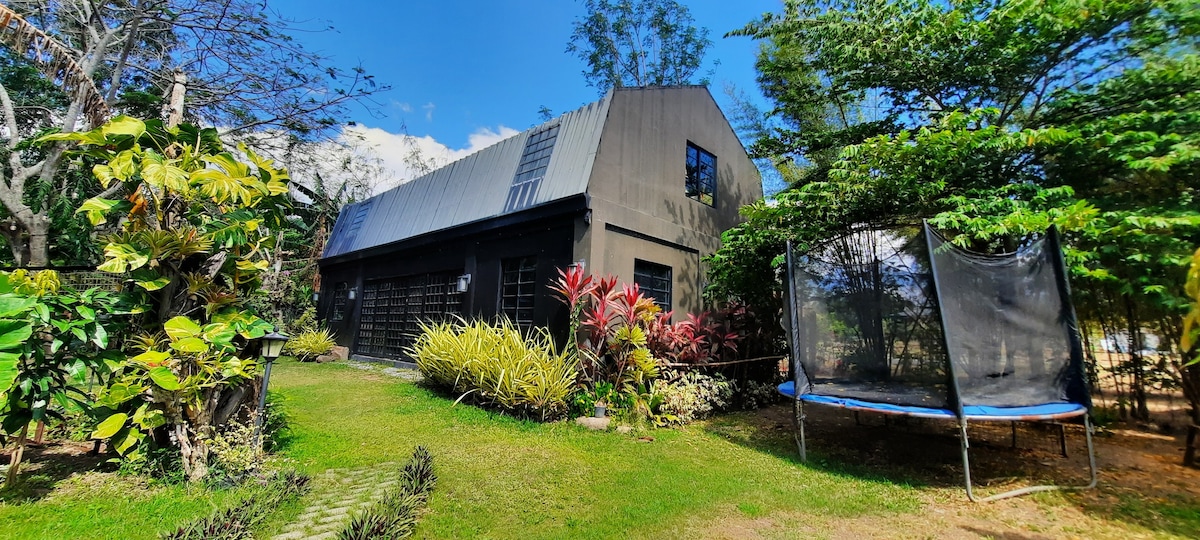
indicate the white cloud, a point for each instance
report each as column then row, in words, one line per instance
column 428, row 108
column 395, row 151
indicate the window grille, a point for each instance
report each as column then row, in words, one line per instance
column 392, row 310
column 518, row 289
column 654, row 280
column 701, row 181
column 531, row 169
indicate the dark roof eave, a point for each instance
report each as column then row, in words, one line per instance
column 574, row 204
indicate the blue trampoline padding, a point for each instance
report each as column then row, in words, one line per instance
column 1045, row 411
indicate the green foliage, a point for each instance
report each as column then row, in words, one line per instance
column 692, row 395
column 495, row 365
column 638, row 43
column 395, row 515
column 237, row 520
column 1191, row 323
column 194, row 239
column 994, row 121
column 310, row 344
column 234, row 454
column 51, row 340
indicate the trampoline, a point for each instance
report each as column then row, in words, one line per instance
column 902, row 322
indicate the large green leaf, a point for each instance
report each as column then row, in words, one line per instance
column 165, row 378
column 122, row 258
column 151, row 358
column 124, row 125
column 190, row 345
column 110, row 426
column 160, row 174
column 8, row 368
column 14, row 333
column 150, row 279
column 180, row 327
column 219, row 333
column 126, row 439
column 96, row 209
column 13, row 305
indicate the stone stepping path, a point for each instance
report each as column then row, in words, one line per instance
column 336, row 495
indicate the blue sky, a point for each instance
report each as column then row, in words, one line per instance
column 464, row 73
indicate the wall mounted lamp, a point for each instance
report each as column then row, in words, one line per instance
column 352, row 293
column 464, row 281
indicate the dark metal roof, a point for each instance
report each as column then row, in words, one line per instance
column 473, row 188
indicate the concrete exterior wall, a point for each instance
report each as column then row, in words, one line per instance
column 638, row 206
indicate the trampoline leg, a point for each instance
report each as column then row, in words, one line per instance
column 1014, row 434
column 798, row 419
column 1062, row 438
column 966, row 457
column 1087, row 424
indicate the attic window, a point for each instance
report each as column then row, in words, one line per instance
column 346, row 241
column 531, row 169
column 701, row 182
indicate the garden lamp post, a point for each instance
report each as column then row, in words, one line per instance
column 272, row 346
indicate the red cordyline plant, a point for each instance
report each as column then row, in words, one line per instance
column 614, row 320
column 696, row 340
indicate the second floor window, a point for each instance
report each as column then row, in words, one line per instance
column 701, row 183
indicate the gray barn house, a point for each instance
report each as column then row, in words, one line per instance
column 639, row 185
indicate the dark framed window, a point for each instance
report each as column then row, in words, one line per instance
column 531, row 169
column 340, row 293
column 655, row 281
column 393, row 308
column 518, row 287
column 701, row 183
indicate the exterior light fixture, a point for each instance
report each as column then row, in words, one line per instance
column 464, row 281
column 272, row 347
column 352, row 293
column 316, row 297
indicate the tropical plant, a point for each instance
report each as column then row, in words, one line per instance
column 496, row 365
column 51, row 340
column 310, row 344
column 194, row 241
column 698, row 339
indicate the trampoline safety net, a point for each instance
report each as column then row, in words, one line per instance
column 903, row 317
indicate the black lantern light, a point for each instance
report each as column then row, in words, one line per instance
column 272, row 347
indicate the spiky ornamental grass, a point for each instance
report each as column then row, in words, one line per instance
column 395, row 515
column 235, row 521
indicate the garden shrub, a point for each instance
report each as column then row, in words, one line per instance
column 309, row 344
column 750, row 394
column 234, row 454
column 692, row 395
column 494, row 365
column 235, row 521
column 395, row 515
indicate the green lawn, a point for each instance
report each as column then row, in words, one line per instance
column 499, row 477
column 505, row 478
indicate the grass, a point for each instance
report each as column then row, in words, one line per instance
column 505, row 478
column 499, row 477
column 101, row 506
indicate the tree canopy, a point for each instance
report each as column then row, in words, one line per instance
column 233, row 64
column 638, row 43
column 994, row 120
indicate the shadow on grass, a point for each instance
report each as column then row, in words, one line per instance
column 926, row 453
column 45, row 466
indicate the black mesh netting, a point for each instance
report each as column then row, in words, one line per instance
column 868, row 326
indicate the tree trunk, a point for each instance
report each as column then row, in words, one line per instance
column 39, row 245
column 194, row 452
column 14, row 459
column 1140, row 410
